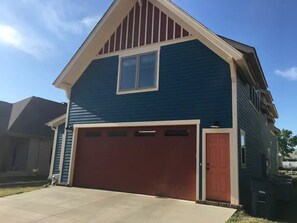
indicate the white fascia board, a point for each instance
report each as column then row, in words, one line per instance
column 57, row 121
column 245, row 68
column 107, row 25
column 203, row 34
column 84, row 56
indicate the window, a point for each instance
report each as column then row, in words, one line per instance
column 138, row 73
column 177, row 133
column 243, row 148
column 117, row 134
column 255, row 98
column 92, row 134
column 146, row 133
column 269, row 159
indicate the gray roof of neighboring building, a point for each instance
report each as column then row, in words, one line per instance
column 5, row 111
column 29, row 116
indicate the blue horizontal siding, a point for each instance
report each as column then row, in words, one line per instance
column 56, row 168
column 194, row 83
column 258, row 139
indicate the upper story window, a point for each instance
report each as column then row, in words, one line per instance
column 255, row 98
column 138, row 73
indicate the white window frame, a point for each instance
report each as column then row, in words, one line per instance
column 242, row 133
column 135, row 53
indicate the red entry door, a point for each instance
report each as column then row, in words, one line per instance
column 218, row 167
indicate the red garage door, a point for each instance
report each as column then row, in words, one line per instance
column 157, row 161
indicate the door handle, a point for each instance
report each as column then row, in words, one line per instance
column 207, row 166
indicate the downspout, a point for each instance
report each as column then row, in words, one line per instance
column 53, row 152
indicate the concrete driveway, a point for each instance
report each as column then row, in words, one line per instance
column 74, row 205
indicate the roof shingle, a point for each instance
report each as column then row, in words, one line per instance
column 29, row 116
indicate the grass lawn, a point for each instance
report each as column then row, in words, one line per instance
column 21, row 179
column 20, row 185
column 241, row 216
column 6, row 191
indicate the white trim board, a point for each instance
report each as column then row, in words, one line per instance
column 135, row 124
column 54, row 148
column 207, row 37
column 106, row 26
column 57, row 121
column 157, row 69
column 234, row 142
column 64, row 142
column 144, row 48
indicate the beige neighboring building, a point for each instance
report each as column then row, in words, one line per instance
column 25, row 141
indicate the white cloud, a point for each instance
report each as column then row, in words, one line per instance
column 10, row 36
column 90, row 21
column 39, row 31
column 61, row 18
column 55, row 21
column 290, row 74
column 27, row 42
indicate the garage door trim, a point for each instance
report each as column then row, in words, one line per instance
column 76, row 127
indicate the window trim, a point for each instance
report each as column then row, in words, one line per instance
column 136, row 53
column 252, row 98
column 269, row 159
column 243, row 164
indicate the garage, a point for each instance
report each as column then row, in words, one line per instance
column 152, row 160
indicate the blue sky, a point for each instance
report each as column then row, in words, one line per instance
column 38, row 38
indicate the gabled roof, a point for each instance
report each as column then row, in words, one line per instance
column 111, row 20
column 5, row 112
column 103, row 36
column 251, row 56
column 17, row 109
column 29, row 116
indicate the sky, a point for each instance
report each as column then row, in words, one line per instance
column 39, row 37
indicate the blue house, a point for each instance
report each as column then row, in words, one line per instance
column 160, row 105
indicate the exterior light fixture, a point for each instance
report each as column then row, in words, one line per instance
column 215, row 124
column 69, row 128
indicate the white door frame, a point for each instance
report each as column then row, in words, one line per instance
column 233, row 162
column 134, row 124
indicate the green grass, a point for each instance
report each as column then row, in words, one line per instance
column 7, row 191
column 241, row 216
column 19, row 187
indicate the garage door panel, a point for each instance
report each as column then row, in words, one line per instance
column 146, row 160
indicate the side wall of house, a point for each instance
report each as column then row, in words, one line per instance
column 39, row 156
column 16, row 154
column 194, row 83
column 4, row 146
column 259, row 137
column 58, row 147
